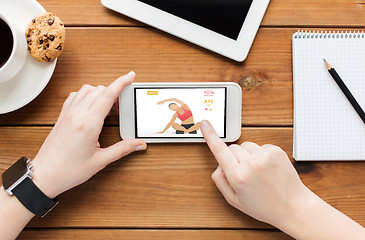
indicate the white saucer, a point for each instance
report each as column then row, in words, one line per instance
column 34, row 76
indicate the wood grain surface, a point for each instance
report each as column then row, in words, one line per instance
column 169, row 187
column 166, row 192
column 100, row 55
column 329, row 13
column 107, row 234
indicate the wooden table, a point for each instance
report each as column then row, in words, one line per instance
column 159, row 194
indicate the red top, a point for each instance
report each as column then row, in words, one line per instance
column 184, row 116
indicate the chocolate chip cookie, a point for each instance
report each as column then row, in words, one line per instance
column 45, row 37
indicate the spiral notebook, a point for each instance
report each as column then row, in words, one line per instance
column 326, row 126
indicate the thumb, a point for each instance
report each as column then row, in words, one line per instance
column 121, row 149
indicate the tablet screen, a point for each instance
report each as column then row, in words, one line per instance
column 177, row 112
column 225, row 17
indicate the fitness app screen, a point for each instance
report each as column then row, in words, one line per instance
column 177, row 112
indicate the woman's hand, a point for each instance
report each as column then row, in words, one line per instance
column 259, row 181
column 71, row 154
column 161, row 102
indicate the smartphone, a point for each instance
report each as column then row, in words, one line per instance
column 172, row 112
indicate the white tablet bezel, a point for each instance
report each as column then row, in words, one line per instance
column 233, row 110
column 234, row 49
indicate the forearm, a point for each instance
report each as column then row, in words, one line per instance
column 170, row 99
column 13, row 216
column 175, row 100
column 312, row 218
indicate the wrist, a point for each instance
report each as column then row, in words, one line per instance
column 312, row 218
column 17, row 181
column 10, row 206
column 300, row 212
column 44, row 180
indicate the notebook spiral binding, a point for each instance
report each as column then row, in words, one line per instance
column 301, row 34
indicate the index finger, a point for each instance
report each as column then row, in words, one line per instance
column 221, row 152
column 105, row 103
column 116, row 87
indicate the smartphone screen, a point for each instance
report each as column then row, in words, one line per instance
column 176, row 112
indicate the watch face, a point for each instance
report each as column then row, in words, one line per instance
column 16, row 171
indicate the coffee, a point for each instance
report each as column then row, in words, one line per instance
column 6, row 42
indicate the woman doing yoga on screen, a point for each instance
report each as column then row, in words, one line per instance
column 182, row 112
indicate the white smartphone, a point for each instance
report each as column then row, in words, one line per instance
column 172, row 112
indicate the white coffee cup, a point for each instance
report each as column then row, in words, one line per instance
column 19, row 53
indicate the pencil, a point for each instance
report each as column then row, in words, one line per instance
column 345, row 90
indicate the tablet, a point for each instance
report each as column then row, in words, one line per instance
column 227, row 27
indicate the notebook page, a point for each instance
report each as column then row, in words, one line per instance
column 326, row 126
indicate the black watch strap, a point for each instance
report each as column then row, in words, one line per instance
column 33, row 198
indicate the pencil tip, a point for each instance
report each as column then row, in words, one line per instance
column 327, row 64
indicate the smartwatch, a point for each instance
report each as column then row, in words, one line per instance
column 17, row 180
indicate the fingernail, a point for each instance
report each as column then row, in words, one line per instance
column 141, row 147
column 204, row 123
column 131, row 73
